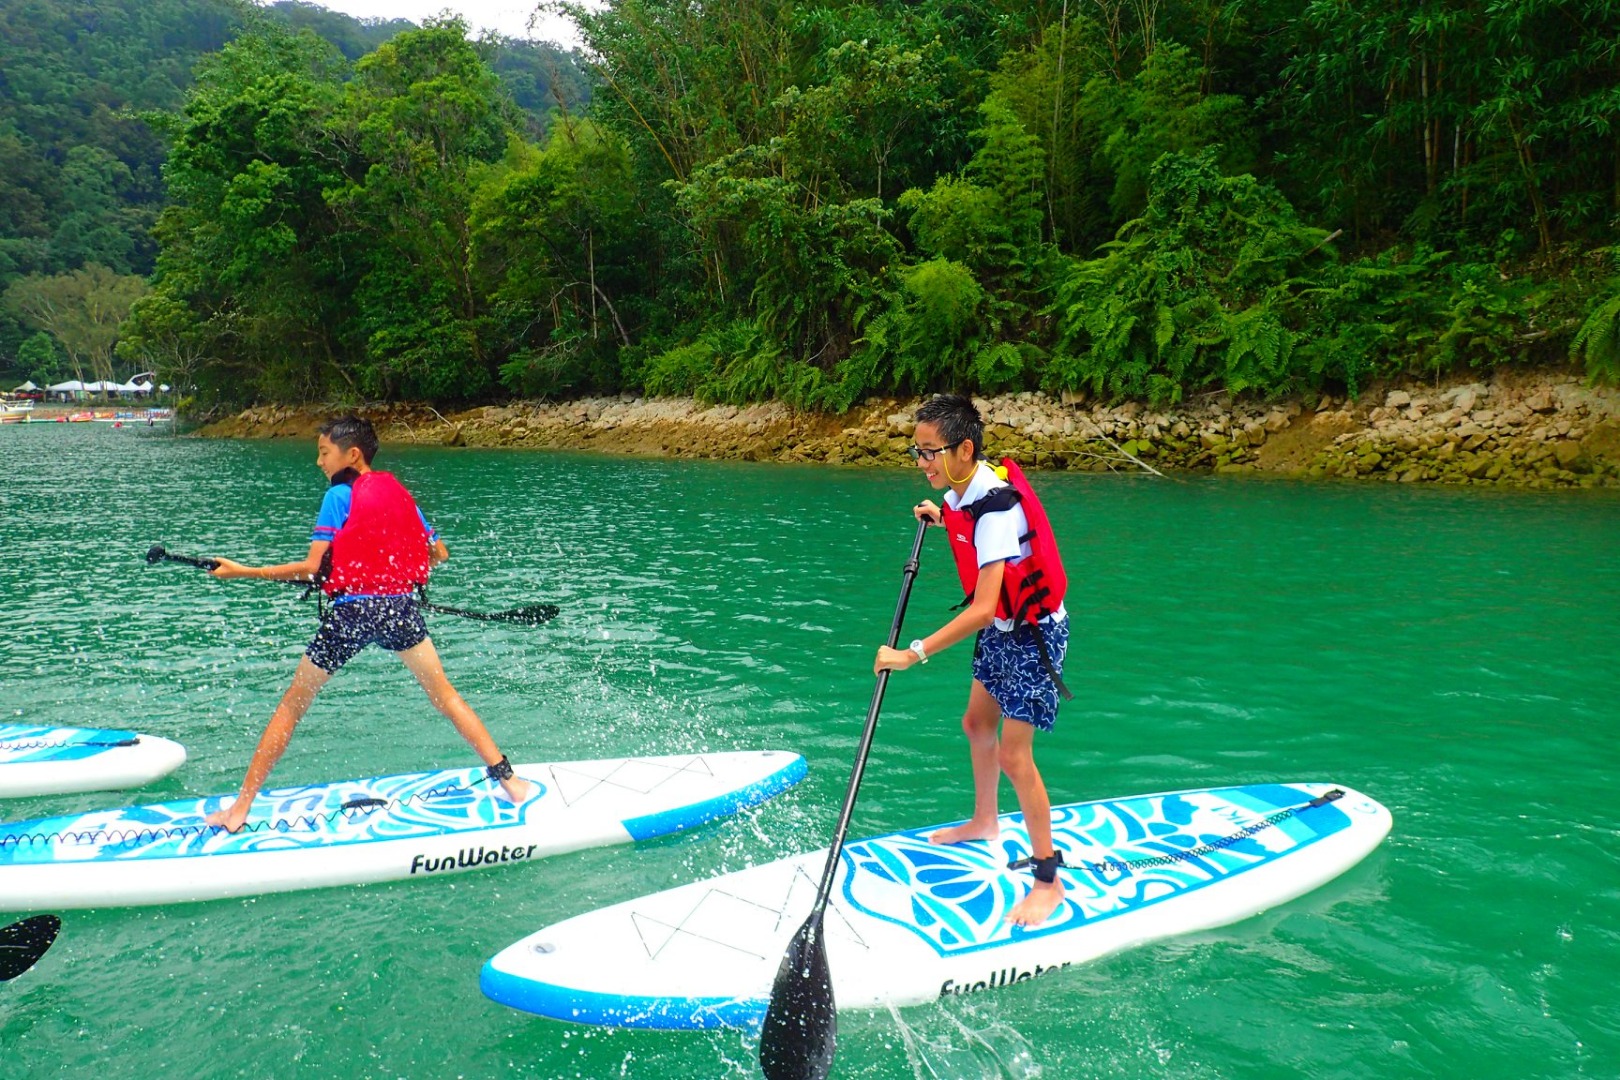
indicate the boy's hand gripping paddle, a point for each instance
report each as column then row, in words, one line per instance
column 801, row 1023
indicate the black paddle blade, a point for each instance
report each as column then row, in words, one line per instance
column 155, row 553
column 801, row 1025
column 23, row 943
column 533, row 615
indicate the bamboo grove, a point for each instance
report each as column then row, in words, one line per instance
column 815, row 202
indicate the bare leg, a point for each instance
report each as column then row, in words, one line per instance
column 423, row 660
column 306, row 683
column 1018, row 762
column 979, row 724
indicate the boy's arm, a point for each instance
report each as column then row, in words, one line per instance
column 973, row 618
column 293, row 571
column 437, row 552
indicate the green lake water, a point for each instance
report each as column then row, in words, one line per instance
column 1451, row 653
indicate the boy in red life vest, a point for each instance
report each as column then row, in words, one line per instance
column 379, row 548
column 1009, row 566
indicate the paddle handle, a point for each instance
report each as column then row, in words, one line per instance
column 837, row 847
column 157, row 554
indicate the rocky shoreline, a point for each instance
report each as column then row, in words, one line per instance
column 1522, row 430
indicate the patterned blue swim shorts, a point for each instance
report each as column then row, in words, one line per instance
column 394, row 622
column 1008, row 663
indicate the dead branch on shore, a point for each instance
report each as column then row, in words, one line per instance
column 1118, row 449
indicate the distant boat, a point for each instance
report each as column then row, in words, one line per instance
column 135, row 417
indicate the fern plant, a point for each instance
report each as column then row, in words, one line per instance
column 1194, row 293
column 1597, row 342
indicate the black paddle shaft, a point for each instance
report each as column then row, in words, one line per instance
column 800, row 1032
column 861, row 754
column 528, row 615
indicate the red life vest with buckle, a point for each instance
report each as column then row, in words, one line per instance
column 1033, row 587
column 382, row 549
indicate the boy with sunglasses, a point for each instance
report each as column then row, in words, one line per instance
column 1010, row 568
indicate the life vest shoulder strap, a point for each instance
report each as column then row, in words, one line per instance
column 993, row 501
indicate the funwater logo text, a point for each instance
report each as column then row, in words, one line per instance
column 467, row 858
column 1004, row 977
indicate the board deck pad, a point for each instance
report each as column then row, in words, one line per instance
column 372, row 829
column 910, row 921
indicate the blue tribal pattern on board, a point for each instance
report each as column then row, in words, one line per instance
column 322, row 815
column 21, row 743
column 1121, row 855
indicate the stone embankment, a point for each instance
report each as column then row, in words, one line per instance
column 1516, row 430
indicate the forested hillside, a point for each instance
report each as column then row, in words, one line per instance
column 813, row 202
column 80, row 163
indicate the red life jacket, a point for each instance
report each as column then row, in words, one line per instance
column 1033, row 587
column 382, row 549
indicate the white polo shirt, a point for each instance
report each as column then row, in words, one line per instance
column 995, row 536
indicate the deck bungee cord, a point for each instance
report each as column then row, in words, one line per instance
column 43, row 744
column 351, row 811
column 1209, row 847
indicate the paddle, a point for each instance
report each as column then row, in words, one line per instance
column 801, row 1023
column 528, row 615
column 23, row 943
column 155, row 554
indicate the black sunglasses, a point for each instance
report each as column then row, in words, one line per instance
column 919, row 454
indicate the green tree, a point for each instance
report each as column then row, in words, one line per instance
column 427, row 117
column 249, row 243
column 1163, row 109
column 559, row 256
column 82, row 310
column 162, row 333
column 40, row 358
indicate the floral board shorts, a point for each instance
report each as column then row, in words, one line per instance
column 394, row 622
column 1008, row 663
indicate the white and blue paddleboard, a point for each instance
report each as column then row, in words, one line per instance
column 62, row 761
column 384, row 828
column 911, row 922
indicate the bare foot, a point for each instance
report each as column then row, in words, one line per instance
column 517, row 790
column 1036, row 907
column 968, row 830
column 231, row 818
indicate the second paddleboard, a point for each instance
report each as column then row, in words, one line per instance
column 382, row 828
column 63, row 761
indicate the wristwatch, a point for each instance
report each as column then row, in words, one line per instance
column 917, row 647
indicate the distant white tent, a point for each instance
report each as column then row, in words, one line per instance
column 74, row 386
column 25, row 388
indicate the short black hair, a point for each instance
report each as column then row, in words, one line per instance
column 956, row 418
column 350, row 431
